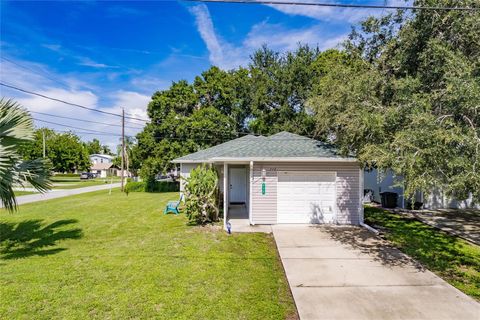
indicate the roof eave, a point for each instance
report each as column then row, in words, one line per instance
column 190, row 161
column 285, row 159
column 265, row 159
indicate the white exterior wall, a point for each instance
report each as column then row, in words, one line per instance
column 100, row 159
column 185, row 169
column 348, row 188
column 383, row 183
column 437, row 199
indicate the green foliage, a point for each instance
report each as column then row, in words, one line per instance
column 66, row 175
column 454, row 259
column 153, row 186
column 16, row 129
column 65, row 151
column 279, row 87
column 95, row 147
column 266, row 97
column 135, row 186
column 407, row 98
column 201, row 195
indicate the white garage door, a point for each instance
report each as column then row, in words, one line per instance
column 306, row 197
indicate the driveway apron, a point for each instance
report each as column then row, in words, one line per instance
column 348, row 273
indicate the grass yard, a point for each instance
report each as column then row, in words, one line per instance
column 23, row 193
column 104, row 257
column 455, row 260
column 76, row 182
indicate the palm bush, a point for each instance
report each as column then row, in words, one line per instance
column 201, row 195
column 16, row 128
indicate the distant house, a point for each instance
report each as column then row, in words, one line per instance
column 103, row 170
column 102, row 165
column 101, row 158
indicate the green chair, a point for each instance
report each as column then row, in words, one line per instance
column 172, row 206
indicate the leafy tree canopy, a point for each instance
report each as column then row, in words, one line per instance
column 407, row 97
column 65, row 151
column 266, row 97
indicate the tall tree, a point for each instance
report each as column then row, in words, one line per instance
column 65, row 151
column 409, row 101
column 94, row 146
column 16, row 128
column 279, row 87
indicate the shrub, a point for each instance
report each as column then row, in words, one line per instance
column 133, row 186
column 155, row 186
column 201, row 193
column 67, row 175
column 162, row 186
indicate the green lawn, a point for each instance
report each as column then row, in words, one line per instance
column 455, row 260
column 104, row 257
column 75, row 182
column 23, row 193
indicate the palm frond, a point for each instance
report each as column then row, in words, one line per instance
column 16, row 127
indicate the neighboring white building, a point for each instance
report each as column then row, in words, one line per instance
column 101, row 158
column 379, row 183
column 103, row 170
column 436, row 200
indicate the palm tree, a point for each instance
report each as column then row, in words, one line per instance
column 16, row 128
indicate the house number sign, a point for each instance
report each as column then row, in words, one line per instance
column 263, row 188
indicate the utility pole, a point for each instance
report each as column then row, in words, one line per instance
column 123, row 147
column 127, row 160
column 43, row 135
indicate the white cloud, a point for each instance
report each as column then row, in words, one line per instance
column 282, row 39
column 324, row 13
column 207, row 32
column 30, row 78
column 351, row 15
column 276, row 36
column 87, row 62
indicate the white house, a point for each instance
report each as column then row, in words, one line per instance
column 101, row 158
column 283, row 178
column 102, row 165
column 437, row 199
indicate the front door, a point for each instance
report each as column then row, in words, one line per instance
column 238, row 185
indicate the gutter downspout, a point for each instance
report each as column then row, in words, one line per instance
column 250, row 204
column 225, row 195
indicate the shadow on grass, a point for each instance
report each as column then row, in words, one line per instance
column 433, row 248
column 32, row 238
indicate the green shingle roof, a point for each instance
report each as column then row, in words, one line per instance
column 281, row 145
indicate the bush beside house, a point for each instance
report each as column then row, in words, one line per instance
column 201, row 195
column 152, row 186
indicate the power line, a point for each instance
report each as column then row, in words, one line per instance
column 35, row 71
column 68, row 103
column 339, row 5
column 67, row 126
column 83, row 120
column 84, row 132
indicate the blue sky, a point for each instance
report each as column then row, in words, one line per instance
column 108, row 55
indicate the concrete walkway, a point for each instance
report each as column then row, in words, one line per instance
column 62, row 193
column 348, row 273
column 463, row 223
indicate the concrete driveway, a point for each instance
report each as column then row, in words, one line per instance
column 348, row 273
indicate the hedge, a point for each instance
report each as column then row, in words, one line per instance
column 67, row 175
column 156, row 186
